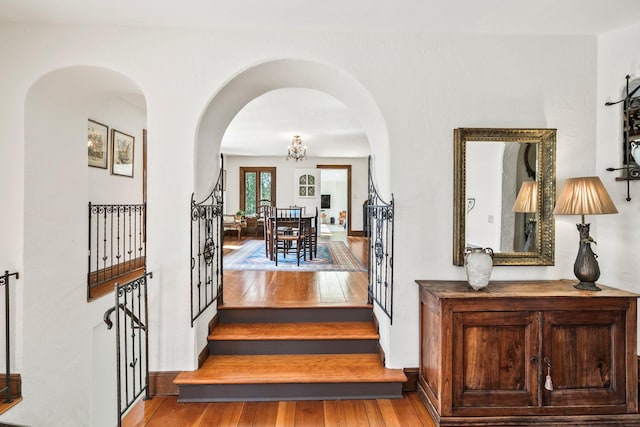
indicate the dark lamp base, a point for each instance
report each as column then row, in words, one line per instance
column 587, row 286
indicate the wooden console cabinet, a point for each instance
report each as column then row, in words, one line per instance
column 485, row 355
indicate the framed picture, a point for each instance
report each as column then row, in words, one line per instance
column 97, row 144
column 122, row 153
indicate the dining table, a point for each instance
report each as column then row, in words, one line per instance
column 306, row 219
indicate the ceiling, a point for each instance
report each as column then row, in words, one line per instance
column 267, row 125
column 487, row 16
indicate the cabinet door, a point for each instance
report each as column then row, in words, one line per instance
column 586, row 350
column 492, row 359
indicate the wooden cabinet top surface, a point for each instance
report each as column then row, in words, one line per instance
column 448, row 289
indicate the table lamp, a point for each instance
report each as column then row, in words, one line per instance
column 585, row 196
column 527, row 202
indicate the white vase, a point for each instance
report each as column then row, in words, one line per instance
column 478, row 263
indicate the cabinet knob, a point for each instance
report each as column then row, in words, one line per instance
column 534, row 360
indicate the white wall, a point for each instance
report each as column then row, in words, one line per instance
column 105, row 188
column 425, row 85
column 617, row 235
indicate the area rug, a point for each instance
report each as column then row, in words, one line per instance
column 332, row 256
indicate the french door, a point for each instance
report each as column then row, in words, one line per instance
column 257, row 184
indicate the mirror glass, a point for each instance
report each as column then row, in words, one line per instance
column 504, row 194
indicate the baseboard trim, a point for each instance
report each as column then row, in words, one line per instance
column 412, row 380
column 161, row 383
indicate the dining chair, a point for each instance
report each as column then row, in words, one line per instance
column 263, row 207
column 288, row 233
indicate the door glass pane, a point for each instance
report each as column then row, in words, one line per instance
column 250, row 195
column 265, row 185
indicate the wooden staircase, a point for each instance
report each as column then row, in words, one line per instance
column 310, row 353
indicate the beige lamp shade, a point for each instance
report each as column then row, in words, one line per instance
column 527, row 200
column 584, row 196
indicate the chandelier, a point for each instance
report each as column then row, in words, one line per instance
column 296, row 150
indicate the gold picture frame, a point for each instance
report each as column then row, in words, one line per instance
column 97, row 144
column 122, row 153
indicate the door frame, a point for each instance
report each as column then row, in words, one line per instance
column 349, row 209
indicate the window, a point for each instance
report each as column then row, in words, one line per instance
column 257, row 184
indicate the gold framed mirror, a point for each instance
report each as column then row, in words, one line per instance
column 504, row 192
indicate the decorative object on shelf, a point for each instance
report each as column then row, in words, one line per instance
column 296, row 150
column 585, row 196
column 97, row 144
column 122, row 146
column 527, row 203
column 478, row 263
column 630, row 133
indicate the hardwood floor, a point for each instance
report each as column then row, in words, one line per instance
column 166, row 411
column 296, row 289
column 287, row 289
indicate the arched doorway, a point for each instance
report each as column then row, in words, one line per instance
column 59, row 183
column 276, row 75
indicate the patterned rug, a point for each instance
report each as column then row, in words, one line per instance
column 332, row 256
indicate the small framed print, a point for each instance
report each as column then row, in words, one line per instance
column 122, row 146
column 97, row 144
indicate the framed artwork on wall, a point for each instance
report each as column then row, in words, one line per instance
column 122, row 146
column 307, row 186
column 97, row 144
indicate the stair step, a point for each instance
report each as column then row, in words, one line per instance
column 294, row 338
column 229, row 314
column 297, row 377
column 295, row 331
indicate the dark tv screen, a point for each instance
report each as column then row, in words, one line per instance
column 325, row 201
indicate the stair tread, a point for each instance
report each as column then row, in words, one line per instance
column 287, row 369
column 295, row 331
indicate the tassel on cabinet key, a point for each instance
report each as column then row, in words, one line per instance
column 548, row 384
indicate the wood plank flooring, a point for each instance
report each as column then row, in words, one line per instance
column 297, row 289
column 163, row 411
column 288, row 289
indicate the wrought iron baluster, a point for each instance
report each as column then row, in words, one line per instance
column 206, row 244
column 132, row 335
column 4, row 281
column 379, row 230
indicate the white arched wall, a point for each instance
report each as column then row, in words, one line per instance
column 53, row 313
column 287, row 73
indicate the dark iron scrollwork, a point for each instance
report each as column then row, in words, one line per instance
column 631, row 135
column 117, row 242
column 4, row 281
column 132, row 341
column 379, row 230
column 206, row 249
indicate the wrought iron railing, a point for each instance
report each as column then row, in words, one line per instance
column 206, row 250
column 132, row 341
column 117, row 242
column 4, row 281
column 379, row 230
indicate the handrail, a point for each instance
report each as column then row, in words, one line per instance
column 4, row 281
column 108, row 313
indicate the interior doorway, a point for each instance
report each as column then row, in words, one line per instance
column 335, row 209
